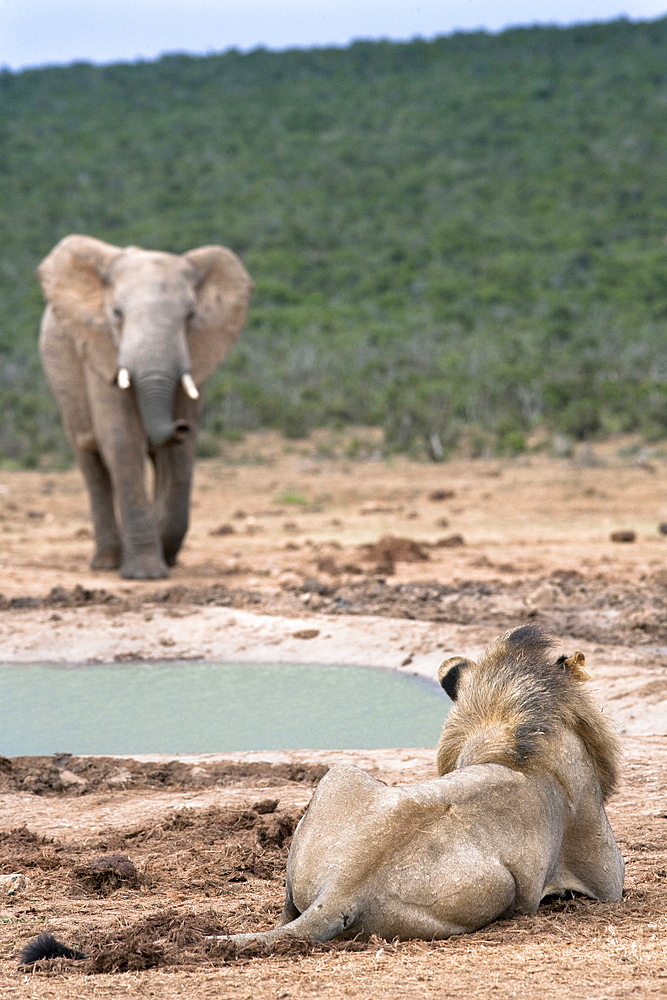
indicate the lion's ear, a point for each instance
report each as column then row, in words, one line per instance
column 576, row 665
column 449, row 674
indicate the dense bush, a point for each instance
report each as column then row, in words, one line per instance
column 468, row 232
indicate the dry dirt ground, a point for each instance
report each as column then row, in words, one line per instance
column 302, row 554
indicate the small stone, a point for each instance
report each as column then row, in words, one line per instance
column 306, row 633
column 223, row 529
column 265, row 806
column 71, row 780
column 623, row 536
column 449, row 542
column 12, row 884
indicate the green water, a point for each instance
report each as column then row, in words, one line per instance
column 207, row 707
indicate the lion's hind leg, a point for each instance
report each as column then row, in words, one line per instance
column 318, row 923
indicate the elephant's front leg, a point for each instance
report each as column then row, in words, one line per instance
column 108, row 548
column 142, row 550
column 120, row 437
column 173, row 483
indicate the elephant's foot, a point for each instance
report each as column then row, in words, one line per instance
column 108, row 558
column 143, row 567
column 171, row 544
column 170, row 557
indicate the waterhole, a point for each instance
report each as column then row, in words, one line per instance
column 208, row 707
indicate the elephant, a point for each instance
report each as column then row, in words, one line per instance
column 127, row 337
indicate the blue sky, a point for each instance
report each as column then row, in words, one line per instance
column 44, row 32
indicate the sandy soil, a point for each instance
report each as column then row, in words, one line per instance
column 288, row 560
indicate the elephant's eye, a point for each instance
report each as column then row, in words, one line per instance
column 118, row 312
column 190, row 314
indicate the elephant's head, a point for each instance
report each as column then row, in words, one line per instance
column 148, row 320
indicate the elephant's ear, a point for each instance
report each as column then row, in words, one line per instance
column 224, row 288
column 73, row 278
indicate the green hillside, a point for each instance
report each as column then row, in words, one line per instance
column 469, row 232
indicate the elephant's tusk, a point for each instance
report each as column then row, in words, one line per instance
column 123, row 379
column 188, row 384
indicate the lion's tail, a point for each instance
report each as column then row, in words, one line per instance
column 47, row 946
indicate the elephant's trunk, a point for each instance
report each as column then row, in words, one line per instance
column 155, row 396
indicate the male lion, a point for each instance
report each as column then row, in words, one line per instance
column 526, row 761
